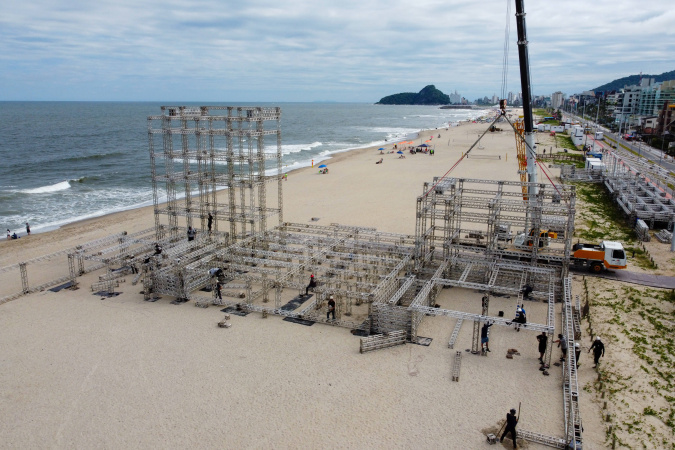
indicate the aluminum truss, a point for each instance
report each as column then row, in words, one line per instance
column 196, row 150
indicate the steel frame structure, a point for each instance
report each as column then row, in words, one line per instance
column 641, row 188
column 194, row 151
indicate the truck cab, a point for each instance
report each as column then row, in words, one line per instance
column 606, row 255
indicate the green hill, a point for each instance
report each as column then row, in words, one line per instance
column 427, row 96
column 633, row 80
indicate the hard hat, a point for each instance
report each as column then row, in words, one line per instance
column 312, row 276
column 597, row 338
column 577, row 345
column 331, row 297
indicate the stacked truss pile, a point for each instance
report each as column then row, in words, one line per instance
column 641, row 190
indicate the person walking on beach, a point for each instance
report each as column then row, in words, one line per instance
column 27, row 229
column 543, row 340
column 511, row 422
column 209, row 222
column 191, row 233
column 311, row 285
column 562, row 344
column 331, row 308
column 9, row 234
column 598, row 350
column 484, row 337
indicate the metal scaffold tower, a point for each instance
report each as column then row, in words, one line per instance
column 195, row 151
column 468, row 218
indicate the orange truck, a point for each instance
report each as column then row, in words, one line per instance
column 598, row 257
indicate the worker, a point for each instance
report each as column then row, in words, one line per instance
column 511, row 422
column 577, row 353
column 311, row 285
column 520, row 318
column 331, row 308
column 484, row 337
column 562, row 344
column 543, row 340
column 598, row 350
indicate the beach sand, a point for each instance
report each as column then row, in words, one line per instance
column 79, row 371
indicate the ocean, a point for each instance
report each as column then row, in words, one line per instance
column 68, row 161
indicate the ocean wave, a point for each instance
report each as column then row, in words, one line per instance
column 93, row 157
column 84, row 179
column 294, row 148
column 287, row 149
column 62, row 186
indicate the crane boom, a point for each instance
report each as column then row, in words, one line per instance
column 523, row 59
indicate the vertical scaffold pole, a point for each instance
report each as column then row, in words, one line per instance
column 24, row 277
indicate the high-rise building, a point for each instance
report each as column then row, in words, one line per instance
column 557, row 99
column 455, row 98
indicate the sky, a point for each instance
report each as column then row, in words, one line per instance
column 305, row 51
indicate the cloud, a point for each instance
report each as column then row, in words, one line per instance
column 207, row 50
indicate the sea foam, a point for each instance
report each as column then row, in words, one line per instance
column 62, row 186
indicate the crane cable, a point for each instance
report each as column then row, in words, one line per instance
column 505, row 60
column 533, row 154
column 464, row 155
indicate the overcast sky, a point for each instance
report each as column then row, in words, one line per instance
column 340, row 50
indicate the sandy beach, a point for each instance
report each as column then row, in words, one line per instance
column 79, row 371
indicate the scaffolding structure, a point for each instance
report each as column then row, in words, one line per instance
column 382, row 283
column 111, row 252
column 642, row 189
column 463, row 218
column 194, row 151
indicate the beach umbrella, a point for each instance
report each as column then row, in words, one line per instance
column 399, row 152
column 424, row 145
column 322, row 166
column 381, row 148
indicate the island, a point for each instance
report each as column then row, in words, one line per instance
column 427, row 96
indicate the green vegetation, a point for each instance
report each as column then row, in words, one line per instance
column 427, row 96
column 633, row 79
column 564, row 141
column 640, row 257
column 639, row 320
column 570, row 159
column 603, row 220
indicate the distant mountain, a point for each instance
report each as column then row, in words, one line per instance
column 633, row 80
column 427, row 96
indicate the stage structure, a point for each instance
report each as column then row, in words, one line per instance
column 475, row 234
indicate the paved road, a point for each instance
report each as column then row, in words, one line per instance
column 640, row 148
column 644, row 279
